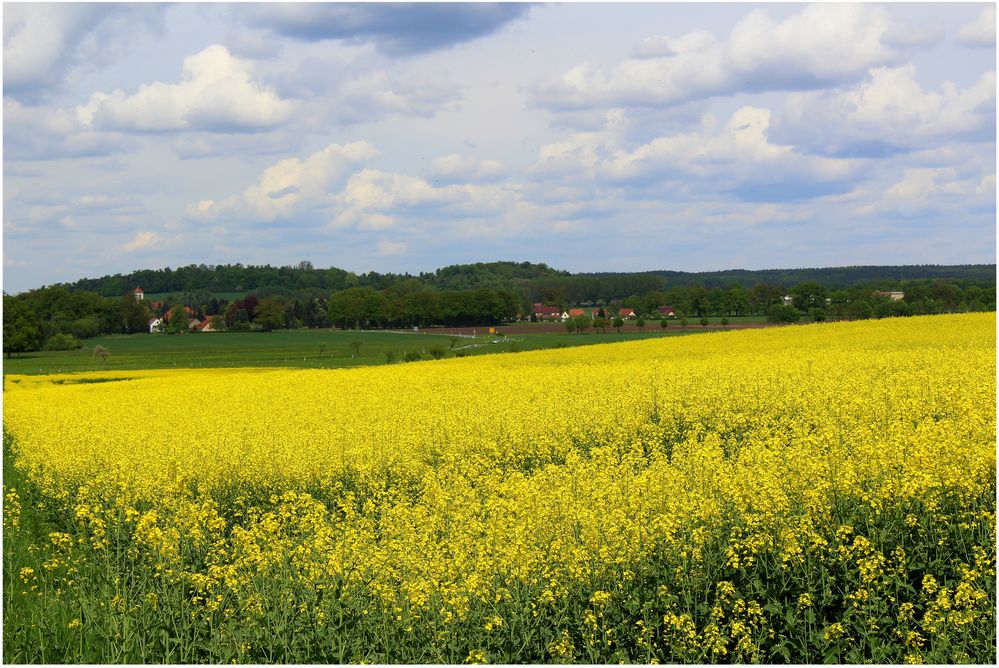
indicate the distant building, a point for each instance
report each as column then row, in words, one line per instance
column 895, row 295
column 667, row 311
column 573, row 312
column 542, row 312
column 155, row 324
column 787, row 300
column 209, row 324
column 138, row 294
column 627, row 313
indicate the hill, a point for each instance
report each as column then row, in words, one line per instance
column 531, row 280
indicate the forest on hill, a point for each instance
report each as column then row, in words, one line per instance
column 534, row 281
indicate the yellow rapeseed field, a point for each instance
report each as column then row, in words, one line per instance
column 444, row 490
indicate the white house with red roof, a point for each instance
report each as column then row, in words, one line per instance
column 627, row 313
column 138, row 294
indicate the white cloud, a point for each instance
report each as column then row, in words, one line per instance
column 43, row 133
column 821, row 45
column 389, row 248
column 9, row 261
column 370, row 197
column 291, row 184
column 737, row 157
column 887, row 112
column 383, row 93
column 378, row 200
column 216, row 93
column 455, row 168
column 922, row 190
column 982, row 31
column 656, row 46
column 42, row 41
column 904, row 33
column 142, row 240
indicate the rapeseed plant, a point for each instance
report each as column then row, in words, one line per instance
column 799, row 494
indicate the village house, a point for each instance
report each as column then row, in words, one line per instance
column 138, row 294
column 542, row 312
column 209, row 324
column 155, row 324
column 892, row 295
column 667, row 311
column 573, row 312
column 627, row 313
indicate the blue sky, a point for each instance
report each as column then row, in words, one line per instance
column 593, row 137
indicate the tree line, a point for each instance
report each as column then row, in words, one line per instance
column 60, row 316
column 533, row 282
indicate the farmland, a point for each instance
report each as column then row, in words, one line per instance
column 823, row 493
column 305, row 348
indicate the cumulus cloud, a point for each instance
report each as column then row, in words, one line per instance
column 823, row 44
column 889, row 112
column 374, row 199
column 42, row 133
column 216, row 93
column 395, row 29
column 43, row 41
column 922, row 190
column 291, row 184
column 332, row 187
column 455, row 168
column 736, row 158
column 656, row 46
column 980, row 32
column 142, row 240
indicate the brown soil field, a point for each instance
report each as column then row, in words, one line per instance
column 556, row 328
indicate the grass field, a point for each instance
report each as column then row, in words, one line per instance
column 311, row 349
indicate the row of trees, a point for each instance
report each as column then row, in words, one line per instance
column 57, row 316
column 921, row 297
column 403, row 305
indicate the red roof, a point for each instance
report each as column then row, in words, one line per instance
column 665, row 310
column 573, row 312
column 207, row 321
column 547, row 310
column 627, row 311
column 137, row 291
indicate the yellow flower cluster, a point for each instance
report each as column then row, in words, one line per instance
column 442, row 483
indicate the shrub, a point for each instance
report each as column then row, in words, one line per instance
column 782, row 313
column 412, row 356
column 63, row 342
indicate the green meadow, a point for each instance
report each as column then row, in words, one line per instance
column 310, row 349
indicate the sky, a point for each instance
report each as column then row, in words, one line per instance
column 403, row 138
